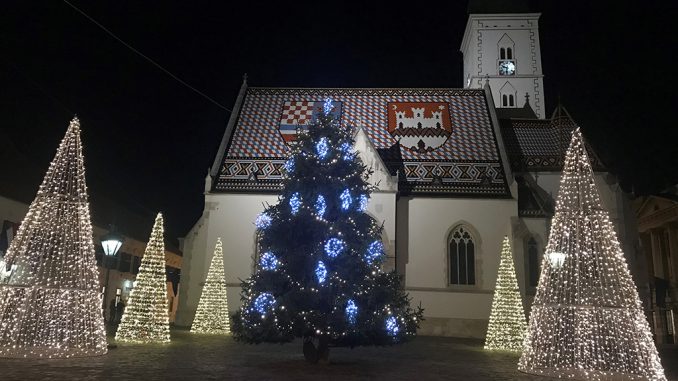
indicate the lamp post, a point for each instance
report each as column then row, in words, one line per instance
column 111, row 243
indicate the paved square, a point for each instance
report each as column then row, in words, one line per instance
column 193, row 357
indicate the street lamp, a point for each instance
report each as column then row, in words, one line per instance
column 111, row 243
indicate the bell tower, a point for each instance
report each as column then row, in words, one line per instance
column 503, row 48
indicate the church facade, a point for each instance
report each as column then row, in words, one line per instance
column 455, row 170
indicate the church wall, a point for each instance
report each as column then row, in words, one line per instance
column 611, row 195
column 382, row 207
column 231, row 217
column 454, row 310
column 193, row 244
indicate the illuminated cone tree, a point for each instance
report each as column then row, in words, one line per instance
column 586, row 321
column 50, row 304
column 507, row 327
column 212, row 314
column 319, row 272
column 146, row 317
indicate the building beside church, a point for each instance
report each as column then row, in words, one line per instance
column 456, row 169
column 658, row 226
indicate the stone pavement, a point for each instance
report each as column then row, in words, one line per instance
column 192, row 357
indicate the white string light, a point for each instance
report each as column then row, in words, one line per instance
column 50, row 304
column 212, row 316
column 146, row 318
column 506, row 330
column 587, row 321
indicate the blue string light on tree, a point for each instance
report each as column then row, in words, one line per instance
column 320, row 206
column 345, row 149
column 322, row 148
column 392, row 327
column 346, row 200
column 351, row 312
column 268, row 261
column 263, row 221
column 334, row 247
column 264, row 303
column 295, row 203
column 362, row 202
column 289, row 165
column 321, row 272
column 374, row 252
column 327, row 106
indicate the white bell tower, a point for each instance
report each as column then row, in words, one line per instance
column 503, row 48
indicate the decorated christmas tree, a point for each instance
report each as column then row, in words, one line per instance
column 586, row 321
column 50, row 303
column 318, row 275
column 507, row 327
column 212, row 314
column 146, row 317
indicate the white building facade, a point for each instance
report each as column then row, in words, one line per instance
column 455, row 172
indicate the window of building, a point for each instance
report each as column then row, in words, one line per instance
column 506, row 64
column 125, row 264
column 136, row 263
column 508, row 95
column 461, row 252
column 532, row 263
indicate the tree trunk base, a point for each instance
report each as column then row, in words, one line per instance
column 316, row 349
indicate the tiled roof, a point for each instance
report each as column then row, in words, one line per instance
column 541, row 144
column 462, row 161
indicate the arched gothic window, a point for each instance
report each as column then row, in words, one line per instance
column 509, row 53
column 502, row 53
column 461, row 254
column 532, row 263
column 508, row 95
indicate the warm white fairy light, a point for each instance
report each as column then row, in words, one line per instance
column 556, row 259
column 50, row 304
column 587, row 321
column 506, row 330
column 212, row 314
column 146, row 318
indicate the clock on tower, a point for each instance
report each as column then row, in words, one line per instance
column 507, row 68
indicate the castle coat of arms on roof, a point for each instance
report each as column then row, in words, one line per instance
column 297, row 115
column 419, row 126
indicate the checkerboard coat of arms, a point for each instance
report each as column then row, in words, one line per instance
column 297, row 115
column 419, row 126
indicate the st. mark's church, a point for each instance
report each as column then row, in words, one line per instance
column 456, row 170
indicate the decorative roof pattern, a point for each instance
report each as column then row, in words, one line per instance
column 540, row 144
column 464, row 161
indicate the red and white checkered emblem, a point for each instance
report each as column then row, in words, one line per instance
column 297, row 113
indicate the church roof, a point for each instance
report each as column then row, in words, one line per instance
column 541, row 144
column 439, row 141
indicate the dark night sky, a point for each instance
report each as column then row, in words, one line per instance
column 149, row 140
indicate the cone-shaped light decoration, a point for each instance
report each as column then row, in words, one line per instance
column 507, row 327
column 212, row 314
column 146, row 318
column 50, row 303
column 586, row 321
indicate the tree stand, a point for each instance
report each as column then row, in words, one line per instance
column 316, row 349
